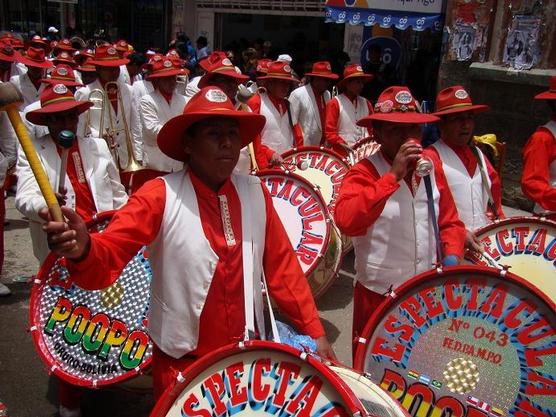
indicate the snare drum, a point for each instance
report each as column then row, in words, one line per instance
column 271, row 379
column 314, row 237
column 527, row 245
column 465, row 340
column 92, row 338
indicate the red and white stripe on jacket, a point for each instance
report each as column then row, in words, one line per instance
column 342, row 115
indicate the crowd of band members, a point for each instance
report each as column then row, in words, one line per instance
column 383, row 205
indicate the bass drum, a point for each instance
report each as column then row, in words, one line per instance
column 362, row 149
column 93, row 338
column 325, row 169
column 527, row 245
column 314, row 237
column 258, row 378
column 464, row 341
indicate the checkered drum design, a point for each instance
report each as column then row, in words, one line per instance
column 92, row 338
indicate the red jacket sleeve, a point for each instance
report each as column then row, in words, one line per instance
column 134, row 225
column 287, row 284
column 363, row 195
column 331, row 124
column 538, row 154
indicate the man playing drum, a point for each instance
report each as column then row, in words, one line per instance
column 204, row 228
column 383, row 204
column 539, row 160
column 473, row 181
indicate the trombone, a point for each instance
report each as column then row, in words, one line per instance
column 100, row 100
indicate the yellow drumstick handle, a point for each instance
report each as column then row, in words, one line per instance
column 36, row 167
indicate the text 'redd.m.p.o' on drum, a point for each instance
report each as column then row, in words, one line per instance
column 465, row 341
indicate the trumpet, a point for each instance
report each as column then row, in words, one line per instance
column 100, row 100
column 181, row 84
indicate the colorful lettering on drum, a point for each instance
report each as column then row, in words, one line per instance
column 471, row 342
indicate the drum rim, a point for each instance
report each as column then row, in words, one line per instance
column 372, row 323
column 327, row 217
column 38, row 337
column 513, row 220
column 314, row 148
column 170, row 395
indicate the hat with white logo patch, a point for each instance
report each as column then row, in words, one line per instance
column 455, row 99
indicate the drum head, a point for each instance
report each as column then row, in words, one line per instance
column 527, row 245
column 258, row 378
column 465, row 341
column 314, row 238
column 92, row 338
column 325, row 169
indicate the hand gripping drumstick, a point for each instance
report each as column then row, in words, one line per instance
column 10, row 97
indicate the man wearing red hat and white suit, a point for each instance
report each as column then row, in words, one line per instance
column 8, row 65
column 308, row 103
column 208, row 232
column 473, row 181
column 344, row 110
column 538, row 181
column 107, row 62
column 383, row 205
column 29, row 83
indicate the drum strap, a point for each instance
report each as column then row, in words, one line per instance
column 273, row 326
column 484, row 181
column 432, row 215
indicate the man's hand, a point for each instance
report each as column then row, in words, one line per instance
column 276, row 159
column 405, row 159
column 472, row 243
column 324, row 349
column 69, row 239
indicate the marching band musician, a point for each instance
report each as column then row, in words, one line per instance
column 197, row 291
column 29, row 83
column 279, row 133
column 8, row 57
column 92, row 184
column 308, row 103
column 107, row 63
column 383, row 204
column 473, row 181
column 344, row 110
column 539, row 160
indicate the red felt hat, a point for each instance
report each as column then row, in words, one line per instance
column 39, row 42
column 65, row 45
column 550, row 94
column 7, row 53
column 279, row 70
column 397, row 105
column 122, row 45
column 54, row 99
column 262, row 66
column 107, row 56
column 35, row 57
column 219, row 64
column 354, row 71
column 322, row 69
column 81, row 56
column 64, row 58
column 7, row 37
column 205, row 63
column 18, row 44
column 456, row 100
column 62, row 74
column 164, row 67
column 86, row 66
column 207, row 103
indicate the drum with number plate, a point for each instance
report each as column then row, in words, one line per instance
column 313, row 235
column 464, row 341
column 93, row 338
column 257, row 378
column 527, row 245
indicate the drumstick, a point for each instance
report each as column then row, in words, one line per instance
column 65, row 139
column 10, row 97
column 491, row 260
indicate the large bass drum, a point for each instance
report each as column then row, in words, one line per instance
column 527, row 245
column 92, row 338
column 313, row 235
column 464, row 341
column 257, row 378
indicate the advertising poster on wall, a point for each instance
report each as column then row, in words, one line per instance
column 522, row 44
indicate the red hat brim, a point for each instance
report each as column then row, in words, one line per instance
column 168, row 73
column 278, row 77
column 205, row 79
column 366, row 78
column 546, row 95
column 63, row 47
column 38, row 116
column 170, row 137
column 330, row 76
column 398, row 117
column 64, row 82
column 475, row 108
column 10, row 58
column 110, row 62
column 31, row 63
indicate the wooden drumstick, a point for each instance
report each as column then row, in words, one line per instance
column 10, row 97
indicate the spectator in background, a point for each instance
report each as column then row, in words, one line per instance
column 382, row 72
column 202, row 47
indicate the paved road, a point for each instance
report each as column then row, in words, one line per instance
column 25, row 386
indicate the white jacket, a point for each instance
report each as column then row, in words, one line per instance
column 101, row 174
column 155, row 112
column 130, row 112
column 28, row 91
column 305, row 111
column 8, row 146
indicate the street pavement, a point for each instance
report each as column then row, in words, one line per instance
column 25, row 386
